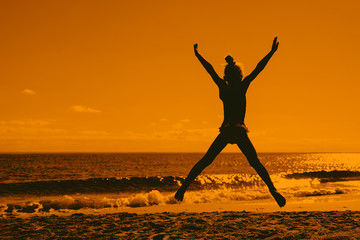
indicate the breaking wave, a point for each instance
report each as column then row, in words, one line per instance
column 129, row 184
column 327, row 176
column 132, row 192
column 154, row 197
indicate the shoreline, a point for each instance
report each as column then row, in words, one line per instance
column 336, row 202
column 340, row 202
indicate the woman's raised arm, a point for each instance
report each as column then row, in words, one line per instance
column 209, row 68
column 261, row 65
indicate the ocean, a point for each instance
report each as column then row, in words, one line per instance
column 46, row 183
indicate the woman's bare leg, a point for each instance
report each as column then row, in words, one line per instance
column 216, row 147
column 249, row 151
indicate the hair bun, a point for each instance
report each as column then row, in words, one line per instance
column 230, row 60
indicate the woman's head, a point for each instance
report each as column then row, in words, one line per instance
column 233, row 72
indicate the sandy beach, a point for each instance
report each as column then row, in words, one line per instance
column 187, row 225
column 313, row 218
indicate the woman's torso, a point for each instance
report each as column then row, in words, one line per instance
column 234, row 102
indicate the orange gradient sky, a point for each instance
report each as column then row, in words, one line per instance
column 121, row 76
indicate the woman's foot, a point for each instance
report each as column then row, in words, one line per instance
column 281, row 201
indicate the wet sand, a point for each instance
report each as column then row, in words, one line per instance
column 187, row 225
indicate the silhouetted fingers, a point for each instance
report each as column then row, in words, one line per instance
column 275, row 44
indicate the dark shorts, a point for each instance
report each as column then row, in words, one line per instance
column 234, row 133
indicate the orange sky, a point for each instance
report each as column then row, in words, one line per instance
column 121, row 76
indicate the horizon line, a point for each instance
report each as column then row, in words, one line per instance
column 99, row 152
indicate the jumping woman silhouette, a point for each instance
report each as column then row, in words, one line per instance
column 233, row 90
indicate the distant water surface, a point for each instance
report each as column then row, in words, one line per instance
column 40, row 182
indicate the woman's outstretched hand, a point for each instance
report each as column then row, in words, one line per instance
column 275, row 45
column 195, row 48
